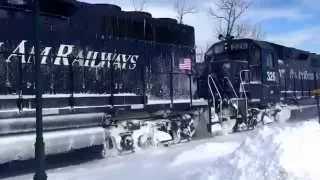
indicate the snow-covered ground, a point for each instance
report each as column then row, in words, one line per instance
column 159, row 164
column 274, row 152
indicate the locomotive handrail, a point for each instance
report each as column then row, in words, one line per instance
column 244, row 91
column 214, row 83
column 229, row 82
column 213, row 98
column 234, row 91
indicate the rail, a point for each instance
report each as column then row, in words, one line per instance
column 234, row 91
column 210, row 78
column 229, row 82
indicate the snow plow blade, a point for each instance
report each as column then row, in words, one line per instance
column 54, row 122
column 21, row 147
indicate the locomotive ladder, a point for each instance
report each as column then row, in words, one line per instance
column 211, row 80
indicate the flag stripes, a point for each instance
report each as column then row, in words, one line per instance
column 186, row 64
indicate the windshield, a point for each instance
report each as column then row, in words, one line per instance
column 239, row 51
column 239, row 55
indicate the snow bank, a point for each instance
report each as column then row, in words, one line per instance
column 285, row 113
column 277, row 153
column 204, row 152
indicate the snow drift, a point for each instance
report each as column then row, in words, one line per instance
column 277, row 153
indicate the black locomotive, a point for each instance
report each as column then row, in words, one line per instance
column 101, row 66
column 252, row 76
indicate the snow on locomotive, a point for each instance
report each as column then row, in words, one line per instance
column 111, row 79
column 249, row 81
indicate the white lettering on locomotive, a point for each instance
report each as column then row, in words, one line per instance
column 303, row 75
column 19, row 51
column 282, row 72
column 105, row 57
column 65, row 51
column 271, row 76
column 44, row 54
column 133, row 60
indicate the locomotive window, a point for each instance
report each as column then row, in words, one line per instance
column 218, row 48
column 315, row 62
column 270, row 61
column 239, row 46
column 256, row 74
column 256, row 57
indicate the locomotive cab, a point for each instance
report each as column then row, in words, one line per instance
column 270, row 76
column 242, row 74
column 224, row 62
column 245, row 68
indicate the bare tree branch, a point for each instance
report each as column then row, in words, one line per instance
column 182, row 8
column 245, row 30
column 229, row 13
column 139, row 5
column 257, row 32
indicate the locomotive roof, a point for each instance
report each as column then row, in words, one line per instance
column 268, row 45
column 138, row 14
column 285, row 51
column 55, row 8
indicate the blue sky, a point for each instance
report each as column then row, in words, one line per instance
column 295, row 23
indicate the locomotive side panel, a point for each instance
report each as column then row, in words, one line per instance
column 78, row 62
column 297, row 75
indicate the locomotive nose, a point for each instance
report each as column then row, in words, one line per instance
column 222, row 70
column 226, row 69
column 227, row 73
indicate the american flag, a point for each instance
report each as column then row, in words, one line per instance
column 186, row 64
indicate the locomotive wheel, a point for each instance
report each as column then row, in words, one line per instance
column 109, row 148
column 145, row 141
column 262, row 118
column 276, row 117
column 252, row 123
column 177, row 136
column 265, row 118
column 192, row 129
column 127, row 143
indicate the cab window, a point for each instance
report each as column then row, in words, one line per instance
column 256, row 57
column 270, row 60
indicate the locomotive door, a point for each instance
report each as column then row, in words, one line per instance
column 270, row 76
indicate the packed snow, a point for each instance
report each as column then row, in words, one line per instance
column 280, row 151
column 273, row 153
column 157, row 163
